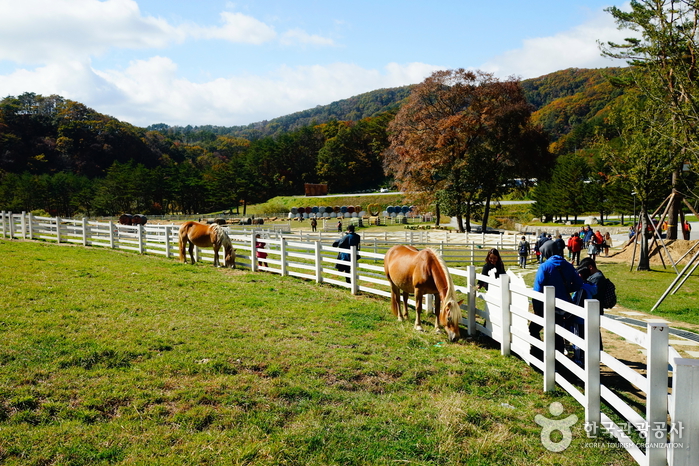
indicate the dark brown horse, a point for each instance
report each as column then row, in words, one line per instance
column 422, row 272
column 205, row 236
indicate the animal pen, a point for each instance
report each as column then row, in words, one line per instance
column 668, row 424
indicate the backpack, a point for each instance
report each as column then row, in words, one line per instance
column 606, row 293
column 523, row 248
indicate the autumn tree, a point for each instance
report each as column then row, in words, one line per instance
column 467, row 135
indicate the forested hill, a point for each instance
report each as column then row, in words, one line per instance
column 562, row 100
column 354, row 108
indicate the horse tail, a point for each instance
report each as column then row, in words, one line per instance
column 183, row 241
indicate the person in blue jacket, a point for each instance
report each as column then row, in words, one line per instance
column 556, row 271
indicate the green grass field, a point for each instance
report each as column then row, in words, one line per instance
column 114, row 358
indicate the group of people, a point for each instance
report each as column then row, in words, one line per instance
column 571, row 284
column 574, row 280
column 586, row 239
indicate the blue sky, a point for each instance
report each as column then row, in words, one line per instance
column 233, row 63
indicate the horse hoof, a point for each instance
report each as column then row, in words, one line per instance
column 418, row 328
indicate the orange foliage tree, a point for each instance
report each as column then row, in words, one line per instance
column 462, row 138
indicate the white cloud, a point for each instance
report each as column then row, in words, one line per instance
column 43, row 31
column 576, row 48
column 153, row 93
column 237, row 27
column 298, row 36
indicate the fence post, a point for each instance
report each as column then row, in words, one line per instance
column 253, row 252
column 592, row 370
column 354, row 275
column 319, row 260
column 167, row 241
column 85, row 231
column 473, row 252
column 505, row 315
column 4, row 224
column 429, row 304
column 23, row 224
column 58, row 230
column 283, row 257
column 549, row 338
column 112, row 230
column 141, row 234
column 31, row 225
column 684, row 413
column 656, row 404
column 471, row 300
column 12, row 225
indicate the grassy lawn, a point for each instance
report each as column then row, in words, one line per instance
column 115, row 358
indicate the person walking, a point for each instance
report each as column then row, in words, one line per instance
column 537, row 246
column 339, row 226
column 524, row 251
column 314, row 224
column 594, row 246
column 575, row 245
column 607, row 243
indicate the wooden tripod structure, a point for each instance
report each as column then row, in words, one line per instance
column 691, row 266
column 665, row 208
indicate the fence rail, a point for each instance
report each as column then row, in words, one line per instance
column 669, row 425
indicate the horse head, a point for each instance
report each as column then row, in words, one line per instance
column 229, row 256
column 450, row 317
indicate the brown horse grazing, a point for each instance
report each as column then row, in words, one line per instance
column 205, row 236
column 422, row 272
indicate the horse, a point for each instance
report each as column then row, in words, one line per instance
column 205, row 236
column 410, row 271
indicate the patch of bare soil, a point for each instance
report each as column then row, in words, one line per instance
column 677, row 249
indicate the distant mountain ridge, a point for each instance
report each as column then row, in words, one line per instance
column 562, row 101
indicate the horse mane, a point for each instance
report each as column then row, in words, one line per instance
column 221, row 236
column 451, row 290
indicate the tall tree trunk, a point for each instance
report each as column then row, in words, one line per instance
column 486, row 213
column 644, row 259
column 437, row 215
column 468, row 218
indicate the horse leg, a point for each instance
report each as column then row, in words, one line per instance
column 395, row 301
column 418, row 311
column 183, row 248
column 437, row 310
column 191, row 251
column 404, row 315
column 216, row 263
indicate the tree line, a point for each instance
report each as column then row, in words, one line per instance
column 64, row 158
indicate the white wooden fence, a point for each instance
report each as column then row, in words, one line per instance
column 667, row 432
